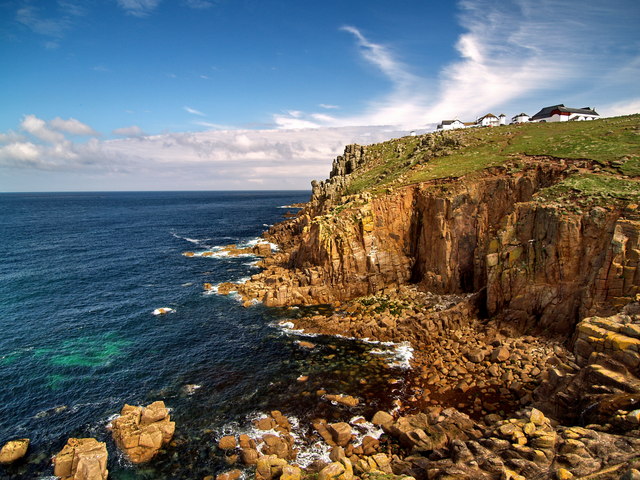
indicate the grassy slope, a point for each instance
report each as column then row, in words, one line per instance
column 613, row 142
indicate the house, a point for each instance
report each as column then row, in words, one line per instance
column 520, row 118
column 450, row 125
column 489, row 120
column 502, row 119
column 560, row 113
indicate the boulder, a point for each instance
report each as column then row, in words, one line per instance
column 382, row 419
column 340, row 433
column 347, row 400
column 230, row 475
column 228, row 442
column 81, row 459
column 476, row 356
column 500, row 354
column 140, row 432
column 14, row 450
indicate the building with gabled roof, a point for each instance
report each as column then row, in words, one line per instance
column 560, row 113
column 520, row 118
column 489, row 120
column 450, row 125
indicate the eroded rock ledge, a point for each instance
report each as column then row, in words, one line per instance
column 539, row 264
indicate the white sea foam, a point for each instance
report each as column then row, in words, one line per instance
column 290, row 206
column 404, row 354
column 288, row 328
column 195, row 241
column 362, row 429
column 163, row 311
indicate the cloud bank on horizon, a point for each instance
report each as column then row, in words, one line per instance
column 509, row 56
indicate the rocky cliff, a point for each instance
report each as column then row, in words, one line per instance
column 545, row 240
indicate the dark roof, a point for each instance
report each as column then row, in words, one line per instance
column 449, row 122
column 488, row 115
column 546, row 111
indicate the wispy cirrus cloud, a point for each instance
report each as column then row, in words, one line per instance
column 193, row 111
column 199, row 4
column 509, row 51
column 54, row 25
column 138, row 8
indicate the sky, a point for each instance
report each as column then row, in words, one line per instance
column 264, row 94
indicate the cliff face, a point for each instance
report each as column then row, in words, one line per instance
column 540, row 263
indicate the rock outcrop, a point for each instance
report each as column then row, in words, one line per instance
column 81, row 459
column 540, row 264
column 140, row 432
column 14, row 450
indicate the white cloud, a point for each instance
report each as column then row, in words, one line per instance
column 138, row 8
column 131, row 131
column 198, row 4
column 220, row 159
column 30, row 17
column 18, row 152
column 328, row 106
column 72, row 126
column 509, row 51
column 627, row 107
column 39, row 129
column 193, row 111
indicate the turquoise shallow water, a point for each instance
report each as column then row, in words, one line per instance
column 80, row 276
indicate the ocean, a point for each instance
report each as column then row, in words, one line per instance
column 80, row 277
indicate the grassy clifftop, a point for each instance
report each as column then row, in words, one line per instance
column 613, row 143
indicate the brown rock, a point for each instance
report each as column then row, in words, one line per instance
column 14, row 450
column 289, row 472
column 228, row 442
column 331, row 471
column 500, row 354
column 476, row 356
column 230, row 475
column 281, row 447
column 347, row 400
column 382, row 419
column 81, row 459
column 249, row 456
column 340, row 433
column 267, row 423
column 140, row 432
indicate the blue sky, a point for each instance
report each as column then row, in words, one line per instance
column 248, row 94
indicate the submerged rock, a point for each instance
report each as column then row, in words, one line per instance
column 82, row 459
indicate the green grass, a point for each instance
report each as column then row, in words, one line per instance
column 594, row 187
column 613, row 142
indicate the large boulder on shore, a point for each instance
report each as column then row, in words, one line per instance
column 14, row 450
column 140, row 432
column 81, row 459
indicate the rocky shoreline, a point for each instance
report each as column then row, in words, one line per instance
column 518, row 295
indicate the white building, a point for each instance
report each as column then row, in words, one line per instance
column 489, row 120
column 560, row 113
column 502, row 119
column 450, row 125
column 520, row 118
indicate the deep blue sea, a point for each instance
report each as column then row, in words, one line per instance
column 80, row 275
